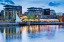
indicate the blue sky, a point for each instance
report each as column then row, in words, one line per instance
column 57, row 5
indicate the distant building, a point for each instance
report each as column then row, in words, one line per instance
column 47, row 11
column 59, row 14
column 63, row 14
column 10, row 12
column 25, row 14
column 52, row 12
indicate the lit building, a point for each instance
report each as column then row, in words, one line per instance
column 10, row 12
column 47, row 11
column 61, row 18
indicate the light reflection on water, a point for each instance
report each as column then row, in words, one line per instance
column 33, row 33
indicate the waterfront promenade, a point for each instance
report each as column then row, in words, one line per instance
column 31, row 23
column 43, row 23
column 8, row 24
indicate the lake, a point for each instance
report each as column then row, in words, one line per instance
column 32, row 33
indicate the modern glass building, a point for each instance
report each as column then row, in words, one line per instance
column 38, row 12
column 10, row 12
column 34, row 10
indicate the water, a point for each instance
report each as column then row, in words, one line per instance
column 34, row 33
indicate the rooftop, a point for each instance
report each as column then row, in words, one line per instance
column 34, row 8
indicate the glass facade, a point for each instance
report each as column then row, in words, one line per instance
column 35, row 11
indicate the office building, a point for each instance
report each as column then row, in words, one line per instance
column 47, row 11
column 10, row 12
column 34, row 11
column 38, row 12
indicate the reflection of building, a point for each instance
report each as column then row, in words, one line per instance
column 8, row 32
column 10, row 12
column 38, row 28
column 47, row 11
column 30, row 29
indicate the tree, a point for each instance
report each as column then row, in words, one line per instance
column 28, row 16
column 33, row 17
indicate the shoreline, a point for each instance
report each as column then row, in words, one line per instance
column 31, row 23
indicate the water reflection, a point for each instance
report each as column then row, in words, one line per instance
column 37, row 31
column 33, row 33
column 9, row 33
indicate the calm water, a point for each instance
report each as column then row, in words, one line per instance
column 34, row 33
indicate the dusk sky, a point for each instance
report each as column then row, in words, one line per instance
column 56, row 5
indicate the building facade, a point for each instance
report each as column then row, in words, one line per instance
column 10, row 12
column 47, row 11
column 38, row 12
column 52, row 12
column 35, row 11
column 25, row 14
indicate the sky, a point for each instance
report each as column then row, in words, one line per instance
column 56, row 5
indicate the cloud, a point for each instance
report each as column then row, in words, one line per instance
column 54, row 4
column 9, row 1
column 2, row 3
